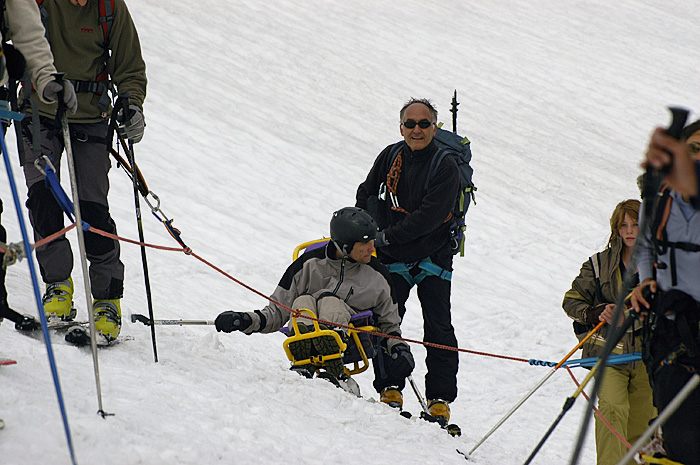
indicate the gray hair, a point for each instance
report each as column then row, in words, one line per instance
column 424, row 101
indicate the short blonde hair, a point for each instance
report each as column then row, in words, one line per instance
column 629, row 207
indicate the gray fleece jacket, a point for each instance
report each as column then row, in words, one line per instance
column 361, row 286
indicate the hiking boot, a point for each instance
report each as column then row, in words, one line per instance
column 301, row 350
column 392, row 397
column 58, row 300
column 108, row 318
column 328, row 345
column 440, row 409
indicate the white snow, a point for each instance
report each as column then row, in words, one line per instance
column 262, row 120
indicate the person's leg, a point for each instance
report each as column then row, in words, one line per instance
column 641, row 400
column 442, row 364
column 614, row 405
column 92, row 165
column 681, row 431
column 55, row 258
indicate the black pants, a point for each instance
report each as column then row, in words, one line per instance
column 682, row 430
column 442, row 364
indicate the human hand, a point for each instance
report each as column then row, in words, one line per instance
column 666, row 151
column 53, row 88
column 233, row 321
column 134, row 126
column 609, row 313
column 381, row 240
column 402, row 363
column 592, row 315
column 641, row 295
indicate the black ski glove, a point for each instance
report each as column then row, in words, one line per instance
column 381, row 240
column 233, row 321
column 402, row 363
column 590, row 315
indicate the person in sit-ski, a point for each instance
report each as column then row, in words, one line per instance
column 92, row 62
column 669, row 266
column 335, row 282
column 25, row 31
column 625, row 398
column 414, row 242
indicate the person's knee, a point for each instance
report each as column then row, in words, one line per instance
column 47, row 216
column 97, row 216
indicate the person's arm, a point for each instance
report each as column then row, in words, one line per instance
column 578, row 301
column 126, row 65
column 26, row 31
column 684, row 175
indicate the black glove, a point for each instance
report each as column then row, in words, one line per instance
column 233, row 321
column 402, row 363
column 590, row 316
column 69, row 98
column 381, row 240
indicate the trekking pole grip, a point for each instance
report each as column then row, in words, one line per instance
column 61, row 108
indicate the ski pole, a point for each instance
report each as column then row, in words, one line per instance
column 61, row 115
column 532, row 391
column 567, row 405
column 139, row 223
column 692, row 383
column 180, row 322
column 37, row 296
column 423, row 405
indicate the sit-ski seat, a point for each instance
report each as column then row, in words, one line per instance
column 360, row 346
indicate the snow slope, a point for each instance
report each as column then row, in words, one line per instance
column 262, row 119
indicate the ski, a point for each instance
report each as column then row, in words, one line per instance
column 451, row 428
column 7, row 361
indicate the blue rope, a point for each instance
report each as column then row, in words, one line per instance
column 590, row 361
column 37, row 295
column 60, row 195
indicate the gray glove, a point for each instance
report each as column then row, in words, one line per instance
column 135, row 124
column 69, row 98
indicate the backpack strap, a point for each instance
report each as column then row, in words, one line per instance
column 596, row 274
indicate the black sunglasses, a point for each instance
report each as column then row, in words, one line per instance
column 694, row 147
column 423, row 124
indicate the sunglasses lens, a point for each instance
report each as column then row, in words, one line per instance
column 423, row 124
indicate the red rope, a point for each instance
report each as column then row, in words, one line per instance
column 600, row 415
column 295, row 313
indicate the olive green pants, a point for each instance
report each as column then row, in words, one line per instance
column 625, row 400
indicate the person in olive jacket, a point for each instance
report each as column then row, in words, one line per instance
column 625, row 398
column 93, row 63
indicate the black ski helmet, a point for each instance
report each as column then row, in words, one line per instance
column 350, row 225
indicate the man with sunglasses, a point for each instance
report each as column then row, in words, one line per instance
column 413, row 215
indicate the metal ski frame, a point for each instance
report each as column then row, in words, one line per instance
column 37, row 295
column 61, row 115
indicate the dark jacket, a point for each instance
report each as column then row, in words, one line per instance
column 424, row 231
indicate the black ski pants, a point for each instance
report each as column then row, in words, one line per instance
column 442, row 364
column 682, row 430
